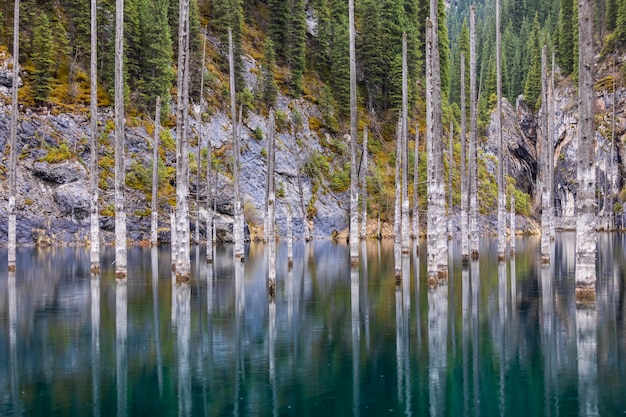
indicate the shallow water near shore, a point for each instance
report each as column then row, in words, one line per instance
column 498, row 339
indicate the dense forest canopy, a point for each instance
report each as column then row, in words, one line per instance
column 302, row 50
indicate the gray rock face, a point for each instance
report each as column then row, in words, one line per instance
column 73, row 201
column 61, row 173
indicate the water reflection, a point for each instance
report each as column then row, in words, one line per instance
column 82, row 345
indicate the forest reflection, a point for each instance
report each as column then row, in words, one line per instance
column 497, row 339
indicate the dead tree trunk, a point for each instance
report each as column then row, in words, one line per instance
column 464, row 187
column 120, row 171
column 586, row 171
column 183, row 259
column 238, row 217
column 397, row 212
column 437, row 239
column 305, row 220
column 416, row 217
column 12, row 226
column 551, row 133
column 289, row 238
column 501, row 177
column 271, row 205
column 354, row 180
column 545, row 161
column 513, row 226
column 155, row 175
column 405, row 160
column 450, row 136
column 93, row 164
column 473, row 153
column 210, row 196
column 198, row 164
column 364, row 172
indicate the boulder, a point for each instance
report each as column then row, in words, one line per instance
column 61, row 173
column 73, row 200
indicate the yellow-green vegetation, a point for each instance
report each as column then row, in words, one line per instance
column 143, row 213
column 167, row 141
column 340, row 178
column 108, row 210
column 139, row 177
column 56, row 155
column 280, row 190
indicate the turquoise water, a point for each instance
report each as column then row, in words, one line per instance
column 497, row 340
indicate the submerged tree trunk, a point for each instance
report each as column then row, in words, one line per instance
column 364, row 172
column 120, row 171
column 437, row 239
column 155, row 174
column 397, row 212
column 354, row 180
column 209, row 197
column 12, row 223
column 551, row 133
column 473, row 153
column 305, row 220
column 416, row 217
column 464, row 187
column 545, row 160
column 93, row 164
column 289, row 238
column 405, row 160
column 198, row 164
column 586, row 170
column 450, row 136
column 238, row 217
column 183, row 259
column 513, row 226
column 271, row 205
column 501, row 177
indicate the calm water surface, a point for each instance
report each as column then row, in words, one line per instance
column 497, row 340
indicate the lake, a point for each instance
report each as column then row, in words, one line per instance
column 497, row 340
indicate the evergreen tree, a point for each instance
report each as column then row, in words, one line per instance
column 297, row 45
column 268, row 88
column 229, row 13
column 444, row 49
column 340, row 68
column 462, row 46
column 156, row 74
column 79, row 27
column 133, row 50
column 610, row 19
column 370, row 50
column 532, row 87
column 278, row 27
column 324, row 38
column 392, row 28
column 42, row 59
column 414, row 46
column 620, row 22
column 566, row 37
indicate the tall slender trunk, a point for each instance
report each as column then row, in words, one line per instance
column 464, row 187
column 120, row 170
column 450, row 138
column 551, row 133
column 305, row 221
column 437, row 238
column 183, row 259
column 586, row 170
column 155, row 174
column 200, row 132
column 397, row 212
column 501, row 173
column 473, row 152
column 611, row 169
column 210, row 196
column 513, row 226
column 237, row 235
column 271, row 205
column 354, row 180
column 405, row 160
column 289, row 238
column 93, row 165
column 364, row 172
column 545, row 160
column 12, row 223
column 416, row 216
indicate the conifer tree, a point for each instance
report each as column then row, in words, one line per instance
column 370, row 50
column 297, row 43
column 229, row 13
column 278, row 26
column 340, row 68
column 42, row 59
column 611, row 12
column 268, row 88
column 566, row 37
column 392, row 27
column 444, row 48
column 532, row 87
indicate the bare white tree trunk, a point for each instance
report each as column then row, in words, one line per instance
column 197, row 231
column 397, row 212
column 210, row 196
column 416, row 216
column 94, row 220
column 12, row 221
column 501, row 173
column 464, row 187
column 586, row 172
column 289, row 238
column 183, row 259
column 364, row 172
column 513, row 226
column 173, row 239
column 545, row 160
column 354, row 180
column 120, row 170
column 154, row 237
column 473, row 153
column 238, row 218
column 271, row 204
column 405, row 160
column 551, row 133
column 450, row 138
column 305, row 221
column 437, row 238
